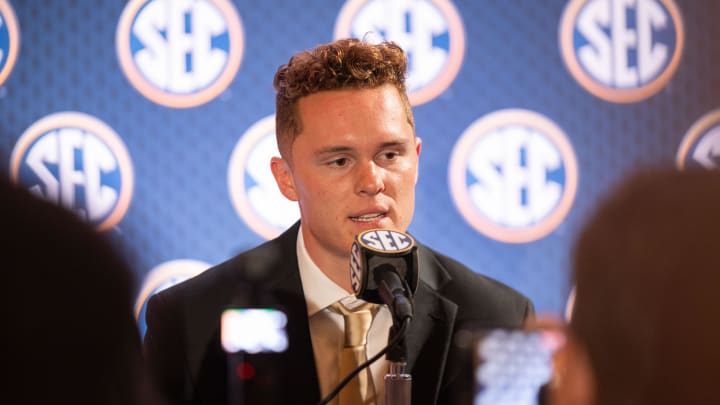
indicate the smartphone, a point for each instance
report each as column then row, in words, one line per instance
column 511, row 366
column 254, row 340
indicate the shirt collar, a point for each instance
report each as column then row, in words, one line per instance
column 319, row 290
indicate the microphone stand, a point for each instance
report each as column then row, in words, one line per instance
column 398, row 383
column 396, row 293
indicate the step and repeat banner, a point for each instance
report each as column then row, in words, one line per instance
column 153, row 119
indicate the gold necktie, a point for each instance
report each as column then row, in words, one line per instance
column 357, row 323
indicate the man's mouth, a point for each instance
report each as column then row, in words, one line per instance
column 368, row 217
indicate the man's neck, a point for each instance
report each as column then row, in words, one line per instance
column 335, row 267
column 336, row 270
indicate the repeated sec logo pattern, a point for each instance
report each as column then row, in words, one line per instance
column 513, row 175
column 253, row 191
column 180, row 53
column 700, row 147
column 161, row 277
column 467, row 59
column 431, row 32
column 77, row 161
column 622, row 51
column 9, row 40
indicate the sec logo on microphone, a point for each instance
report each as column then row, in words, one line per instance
column 357, row 264
column 700, row 146
column 386, row 241
column 180, row 53
column 430, row 32
column 77, row 161
column 513, row 175
column 622, row 51
column 253, row 190
column 9, row 40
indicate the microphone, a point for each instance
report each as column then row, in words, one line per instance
column 383, row 269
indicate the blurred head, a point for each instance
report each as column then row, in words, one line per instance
column 647, row 271
column 67, row 309
column 348, row 146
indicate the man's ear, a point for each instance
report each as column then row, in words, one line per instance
column 418, row 147
column 283, row 177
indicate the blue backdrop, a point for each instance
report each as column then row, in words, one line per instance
column 153, row 119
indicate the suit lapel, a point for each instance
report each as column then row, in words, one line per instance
column 285, row 287
column 428, row 336
column 280, row 286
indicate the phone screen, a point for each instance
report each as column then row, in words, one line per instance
column 511, row 367
column 254, row 330
column 254, row 340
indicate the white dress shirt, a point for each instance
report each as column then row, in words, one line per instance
column 327, row 328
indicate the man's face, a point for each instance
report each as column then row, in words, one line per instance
column 353, row 167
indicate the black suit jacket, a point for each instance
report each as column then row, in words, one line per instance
column 182, row 343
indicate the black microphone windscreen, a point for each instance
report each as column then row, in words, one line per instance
column 382, row 247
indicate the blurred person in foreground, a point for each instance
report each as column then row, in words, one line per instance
column 349, row 157
column 644, row 329
column 69, row 334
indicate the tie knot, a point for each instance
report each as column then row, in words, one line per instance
column 357, row 322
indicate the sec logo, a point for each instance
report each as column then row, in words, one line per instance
column 9, row 40
column 513, row 175
column 356, row 265
column 700, row 146
column 622, row 51
column 253, row 190
column 77, row 161
column 180, row 53
column 161, row 277
column 386, row 240
column 430, row 32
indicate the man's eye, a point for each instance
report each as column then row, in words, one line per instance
column 339, row 162
column 390, row 155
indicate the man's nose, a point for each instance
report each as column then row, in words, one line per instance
column 370, row 179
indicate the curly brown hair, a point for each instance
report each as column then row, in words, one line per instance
column 343, row 64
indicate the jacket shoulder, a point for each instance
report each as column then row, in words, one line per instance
column 481, row 300
column 253, row 266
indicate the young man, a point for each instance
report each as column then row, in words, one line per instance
column 349, row 157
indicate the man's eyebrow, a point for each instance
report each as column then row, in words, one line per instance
column 344, row 149
column 391, row 144
column 332, row 149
